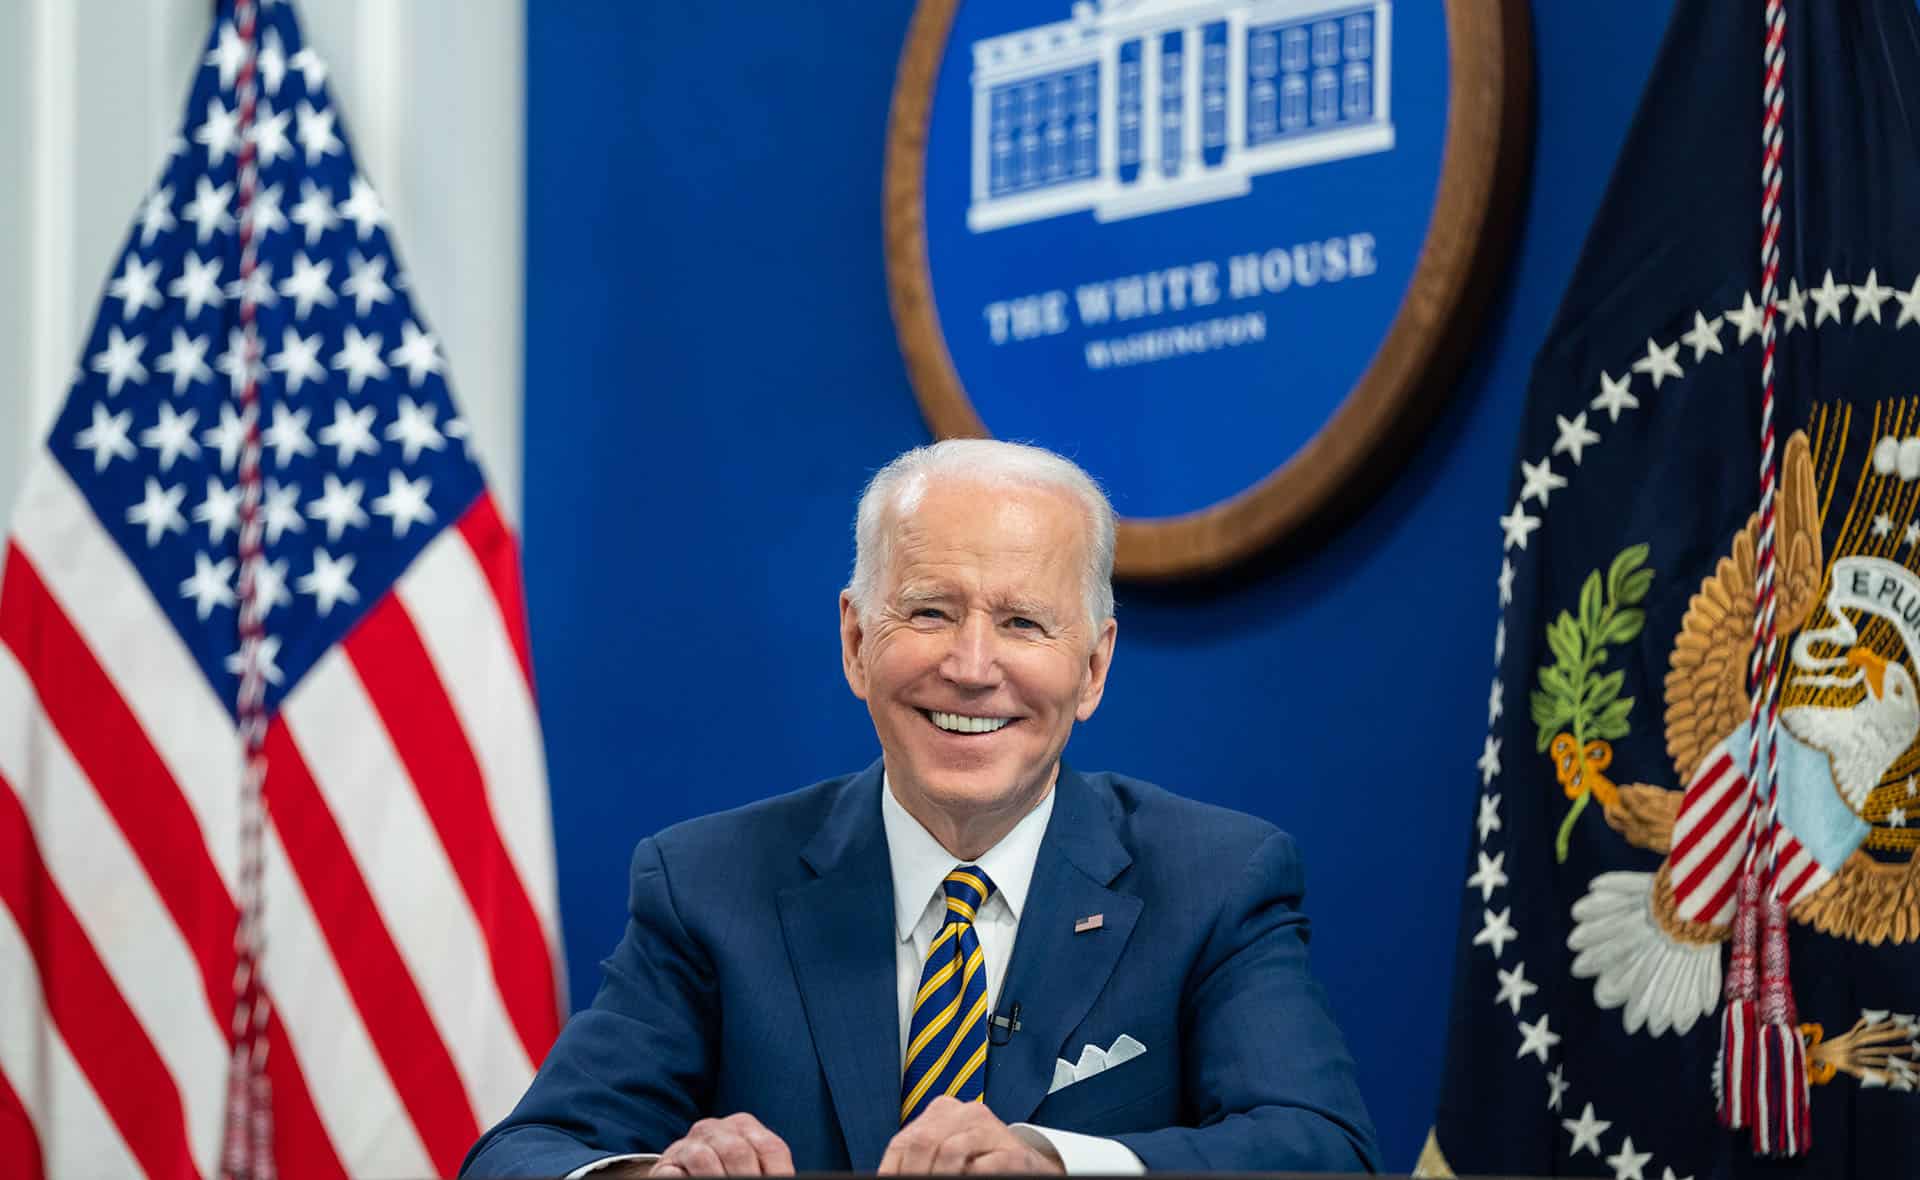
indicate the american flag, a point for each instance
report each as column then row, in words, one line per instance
column 261, row 421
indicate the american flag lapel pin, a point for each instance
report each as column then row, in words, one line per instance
column 1090, row 922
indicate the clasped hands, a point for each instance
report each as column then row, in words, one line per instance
column 949, row 1136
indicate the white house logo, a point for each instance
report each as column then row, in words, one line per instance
column 1135, row 106
column 1217, row 250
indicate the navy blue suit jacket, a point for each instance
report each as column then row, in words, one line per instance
column 758, row 974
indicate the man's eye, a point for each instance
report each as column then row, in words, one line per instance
column 929, row 612
column 1021, row 622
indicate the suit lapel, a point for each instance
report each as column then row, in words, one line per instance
column 839, row 930
column 1055, row 974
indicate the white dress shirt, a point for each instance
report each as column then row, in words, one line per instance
column 920, row 868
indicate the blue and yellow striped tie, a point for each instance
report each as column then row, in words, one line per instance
column 947, row 1041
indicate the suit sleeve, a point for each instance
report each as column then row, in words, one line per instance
column 1268, row 1082
column 631, row 1073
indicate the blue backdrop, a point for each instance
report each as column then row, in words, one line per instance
column 712, row 374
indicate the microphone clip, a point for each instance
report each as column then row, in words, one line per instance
column 1000, row 1029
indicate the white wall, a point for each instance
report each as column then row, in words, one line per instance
column 433, row 99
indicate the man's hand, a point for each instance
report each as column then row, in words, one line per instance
column 733, row 1146
column 954, row 1136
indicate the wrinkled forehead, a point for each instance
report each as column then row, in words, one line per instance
column 1015, row 530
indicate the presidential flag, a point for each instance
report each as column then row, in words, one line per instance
column 1744, row 319
column 276, row 869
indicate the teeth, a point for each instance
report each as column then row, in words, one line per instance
column 958, row 723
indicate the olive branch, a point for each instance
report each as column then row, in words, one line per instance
column 1571, row 695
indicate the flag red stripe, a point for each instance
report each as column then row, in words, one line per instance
column 112, row 750
column 1720, row 804
column 135, row 787
column 19, row 1145
column 1791, row 893
column 376, row 977
column 1685, row 889
column 498, row 556
column 106, row 1039
column 406, row 691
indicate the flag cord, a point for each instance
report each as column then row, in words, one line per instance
column 248, row 1149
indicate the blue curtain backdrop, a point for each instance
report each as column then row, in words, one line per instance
column 712, row 375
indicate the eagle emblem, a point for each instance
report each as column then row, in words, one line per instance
column 1847, row 761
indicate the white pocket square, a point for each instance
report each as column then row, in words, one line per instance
column 1093, row 1059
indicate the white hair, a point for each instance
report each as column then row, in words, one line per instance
column 895, row 491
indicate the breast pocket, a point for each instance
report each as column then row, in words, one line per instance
column 1135, row 1095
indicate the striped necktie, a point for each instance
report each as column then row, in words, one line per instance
column 947, row 1040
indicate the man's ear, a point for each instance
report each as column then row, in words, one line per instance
column 851, row 637
column 1098, row 661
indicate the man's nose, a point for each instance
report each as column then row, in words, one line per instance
column 973, row 660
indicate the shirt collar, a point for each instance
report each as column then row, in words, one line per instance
column 920, row 864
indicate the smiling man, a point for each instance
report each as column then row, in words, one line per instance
column 967, row 957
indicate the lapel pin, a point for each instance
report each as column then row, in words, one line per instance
column 1090, row 922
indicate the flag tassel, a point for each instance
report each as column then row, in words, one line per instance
column 1780, row 1126
column 1739, row 1023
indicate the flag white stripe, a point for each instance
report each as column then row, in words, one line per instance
column 110, row 894
column 351, row 1090
column 413, row 884
column 1700, row 802
column 104, row 598
column 453, row 611
column 77, row 1138
column 1709, row 843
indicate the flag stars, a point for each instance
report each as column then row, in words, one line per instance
column 263, row 214
column 220, row 133
column 366, row 282
column 272, row 61
column 1574, row 437
column 281, row 510
column 1489, row 761
column 1586, row 1130
column 1667, row 1174
column 288, row 434
column 418, row 354
column 298, row 359
column 457, row 430
column 405, row 503
column 1749, row 317
column 1827, row 298
column 1497, row 931
column 1491, row 875
column 1499, row 642
column 1629, row 1164
column 1793, row 306
column 186, row 361
column 1516, row 526
column 1556, row 1088
column 1489, row 818
column 107, row 437
column 1538, row 481
column 156, row 215
column 339, row 507
column 210, row 585
column 1703, row 337
column 1615, row 397
column 315, row 132
column 1496, row 701
column 1515, row 987
column 120, row 360
column 269, row 585
column 329, row 582
column 414, row 430
column 351, row 433
column 1882, row 525
column 359, row 357
column 307, row 285
column 172, row 435
column 230, row 435
column 363, row 207
column 1868, row 296
column 270, row 135
column 137, row 287
column 1897, row 817
column 228, row 55
column 220, row 511
column 255, row 287
column 260, row 656
column 1505, row 583
column 313, row 71
column 159, row 511
column 198, row 284
column 314, row 214
column 1909, row 301
column 234, row 363
column 1659, row 363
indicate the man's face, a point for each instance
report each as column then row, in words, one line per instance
column 978, row 656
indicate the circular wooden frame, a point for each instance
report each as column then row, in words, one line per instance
column 1482, row 166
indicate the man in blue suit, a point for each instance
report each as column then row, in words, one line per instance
column 966, row 957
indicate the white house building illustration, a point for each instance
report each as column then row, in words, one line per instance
column 1130, row 107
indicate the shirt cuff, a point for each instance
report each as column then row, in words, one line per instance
column 1087, row 1155
column 597, row 1165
